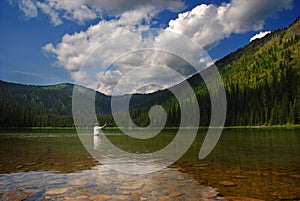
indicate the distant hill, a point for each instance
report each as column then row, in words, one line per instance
column 28, row 105
column 54, row 99
column 262, row 83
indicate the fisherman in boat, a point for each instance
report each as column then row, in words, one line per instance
column 97, row 128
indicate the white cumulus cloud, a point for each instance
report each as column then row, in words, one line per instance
column 73, row 49
column 207, row 24
column 203, row 26
column 84, row 10
column 260, row 35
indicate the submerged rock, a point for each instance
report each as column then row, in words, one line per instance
column 239, row 177
column 176, row 194
column 20, row 166
column 202, row 165
column 56, row 191
column 227, row 183
column 296, row 176
column 17, row 195
column 143, row 198
column 232, row 198
column 134, row 186
column 101, row 197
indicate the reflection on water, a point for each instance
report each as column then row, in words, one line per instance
column 54, row 165
column 129, row 155
column 101, row 183
column 96, row 142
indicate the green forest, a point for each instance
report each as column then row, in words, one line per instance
column 261, row 80
column 262, row 83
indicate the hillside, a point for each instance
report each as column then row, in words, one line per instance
column 262, row 83
column 262, row 80
column 29, row 105
column 54, row 99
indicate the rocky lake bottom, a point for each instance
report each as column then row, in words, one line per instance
column 55, row 166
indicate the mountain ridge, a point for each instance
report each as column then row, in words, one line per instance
column 261, row 80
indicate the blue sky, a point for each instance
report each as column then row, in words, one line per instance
column 45, row 42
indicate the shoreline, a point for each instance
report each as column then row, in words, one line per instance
column 167, row 128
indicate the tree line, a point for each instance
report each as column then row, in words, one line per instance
column 261, row 80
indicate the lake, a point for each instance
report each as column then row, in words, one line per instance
column 52, row 164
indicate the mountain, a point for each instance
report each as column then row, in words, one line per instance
column 28, row 105
column 262, row 83
column 54, row 99
column 262, row 80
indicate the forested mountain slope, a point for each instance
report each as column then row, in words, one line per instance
column 262, row 80
column 262, row 83
column 29, row 105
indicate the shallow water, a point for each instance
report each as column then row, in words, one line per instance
column 101, row 183
column 54, row 165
